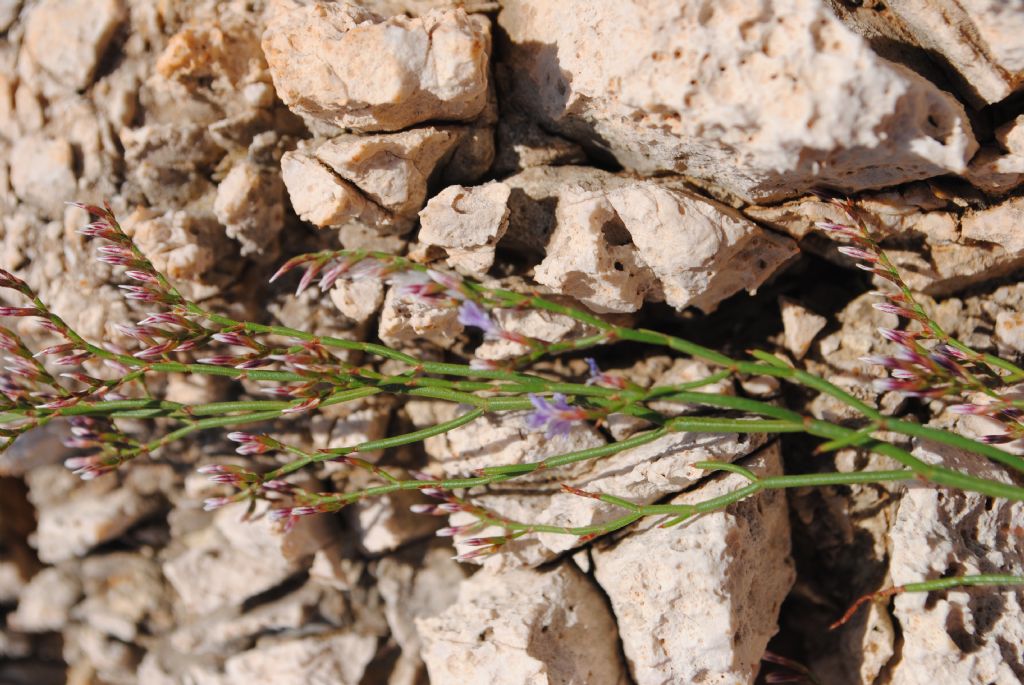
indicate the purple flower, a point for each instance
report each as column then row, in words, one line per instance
column 555, row 417
column 599, row 377
column 473, row 315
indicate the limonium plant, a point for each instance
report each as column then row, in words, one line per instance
column 95, row 387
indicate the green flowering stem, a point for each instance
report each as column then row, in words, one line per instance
column 947, row 583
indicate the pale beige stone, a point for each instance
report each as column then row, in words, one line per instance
column 170, row 163
column 418, row 584
column 392, row 169
column 42, row 172
column 228, row 628
column 608, row 248
column 965, row 247
column 235, row 559
column 959, row 636
column 67, row 38
column 685, row 370
column 495, row 439
column 799, row 325
column 978, row 39
column 404, row 319
column 92, row 514
column 384, row 524
column 524, row 626
column 250, row 204
column 698, row 602
column 8, row 13
column 467, row 223
column 320, row 196
column 536, row 324
column 340, row 657
column 762, row 100
column 995, row 173
column 181, row 245
column 1010, row 330
column 45, row 603
column 641, row 474
column 358, row 300
column 122, row 591
column 1011, row 135
column 345, row 65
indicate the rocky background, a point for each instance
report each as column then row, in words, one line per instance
column 649, row 159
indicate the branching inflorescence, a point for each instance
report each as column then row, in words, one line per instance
column 303, row 373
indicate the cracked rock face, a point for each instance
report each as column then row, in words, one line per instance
column 758, row 99
column 345, row 65
column 555, row 628
column 979, row 40
column 960, row 636
column 607, row 248
column 698, row 602
column 641, row 474
column 379, row 180
column 965, row 246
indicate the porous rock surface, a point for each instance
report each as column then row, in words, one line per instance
column 962, row 636
column 762, row 99
column 346, row 65
column 730, row 569
column 555, row 628
column 645, row 160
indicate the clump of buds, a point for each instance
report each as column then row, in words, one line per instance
column 929, row 363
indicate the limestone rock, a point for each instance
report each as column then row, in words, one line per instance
column 524, row 626
column 384, row 524
column 342, row 64
column 1011, row 136
column 67, row 38
column 42, row 172
column 978, row 39
column 124, row 595
column 391, row 169
column 840, row 356
column 358, row 300
column 537, row 324
column 321, row 197
column 964, row 247
column 698, row 602
column 188, row 248
column 522, row 144
column 960, row 636
column 680, row 371
column 8, row 13
column 799, row 326
column 1010, row 330
column 340, row 657
column 608, row 249
column 378, row 179
column 641, row 474
column 90, row 514
column 227, row 629
column 46, row 602
column 170, row 163
column 506, row 438
column 467, row 223
column 418, row 584
column 218, row 54
column 250, row 203
column 995, row 173
column 404, row 319
column 762, row 101
column 232, row 560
